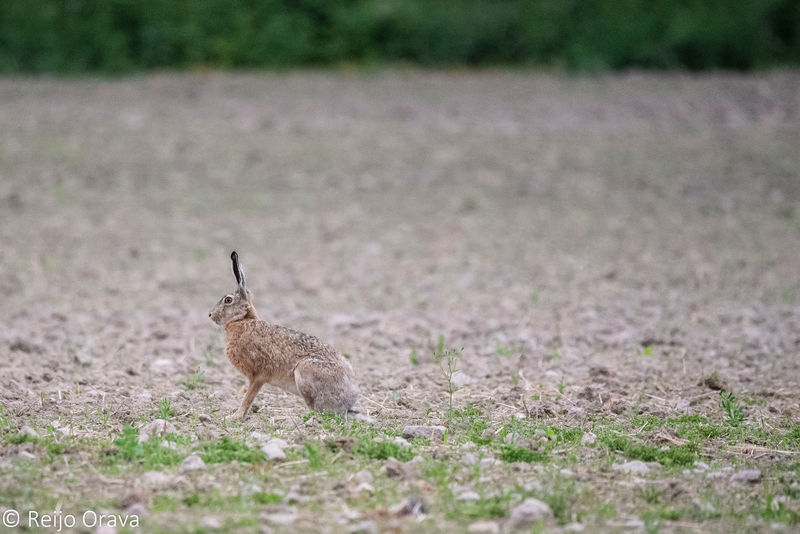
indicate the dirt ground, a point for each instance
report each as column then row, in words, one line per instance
column 603, row 254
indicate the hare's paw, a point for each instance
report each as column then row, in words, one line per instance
column 239, row 415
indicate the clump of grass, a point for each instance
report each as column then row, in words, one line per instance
column 193, row 381
column 673, row 455
column 149, row 454
column 226, row 450
column 483, row 508
column 734, row 412
column 267, row 498
column 164, row 410
column 470, row 421
column 778, row 511
column 510, row 453
column 52, row 446
column 381, row 450
column 414, row 357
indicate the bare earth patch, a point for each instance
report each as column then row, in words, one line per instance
column 592, row 285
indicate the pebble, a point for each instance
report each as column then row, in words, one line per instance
column 394, row 468
column 363, row 476
column 192, row 462
column 432, row 432
column 258, row 437
column 203, row 418
column 158, row 427
column 27, row 455
column 634, row 466
column 273, row 452
column 469, row 459
column 278, row 442
column 574, row 527
column 28, row 431
column 700, row 466
column 487, row 462
column 461, row 379
column 156, row 480
column 483, row 527
column 281, row 518
column 751, row 476
column 364, row 527
column 530, row 511
column 468, row 496
column 365, row 486
column 588, row 438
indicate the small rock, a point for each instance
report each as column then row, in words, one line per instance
column 161, row 366
column 28, row 431
column 431, row 432
column 203, row 418
column 483, row 527
column 278, row 442
column 574, row 527
column 156, row 480
column 273, row 452
column 700, row 466
column 211, row 522
column 365, row 486
column 258, row 437
column 413, row 506
column 158, row 427
column 637, row 524
column 82, row 357
column 364, row 527
column 401, row 442
column 751, row 476
column 394, row 468
column 281, row 518
column 105, row 528
column 468, row 496
column 588, row 438
column 533, row 485
column 519, row 416
column 27, row 455
column 169, row 445
column 566, row 473
column 364, row 418
column 363, row 476
column 528, row 512
column 136, row 509
column 487, row 462
column 461, row 379
column 634, row 466
column 192, row 462
column 469, row 459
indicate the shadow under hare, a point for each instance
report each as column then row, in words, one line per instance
column 270, row 354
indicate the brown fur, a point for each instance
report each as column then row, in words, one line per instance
column 270, row 354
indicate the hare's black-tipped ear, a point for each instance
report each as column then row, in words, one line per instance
column 238, row 272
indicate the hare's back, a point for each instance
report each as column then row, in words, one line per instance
column 299, row 342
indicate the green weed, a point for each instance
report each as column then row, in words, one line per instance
column 226, row 450
column 734, row 412
column 381, row 450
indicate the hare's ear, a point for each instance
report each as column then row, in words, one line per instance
column 238, row 272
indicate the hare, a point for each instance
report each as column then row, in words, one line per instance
column 270, row 354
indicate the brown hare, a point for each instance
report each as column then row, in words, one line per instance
column 270, row 354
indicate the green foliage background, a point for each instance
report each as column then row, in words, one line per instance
column 73, row 36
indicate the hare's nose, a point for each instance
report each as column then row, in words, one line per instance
column 209, row 314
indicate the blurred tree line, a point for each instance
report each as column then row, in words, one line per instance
column 69, row 36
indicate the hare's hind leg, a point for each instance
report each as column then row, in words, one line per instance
column 323, row 386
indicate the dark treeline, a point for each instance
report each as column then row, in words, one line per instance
column 72, row 36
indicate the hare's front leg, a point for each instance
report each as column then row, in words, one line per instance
column 249, row 397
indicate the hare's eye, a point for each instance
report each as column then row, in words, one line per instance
column 228, row 300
